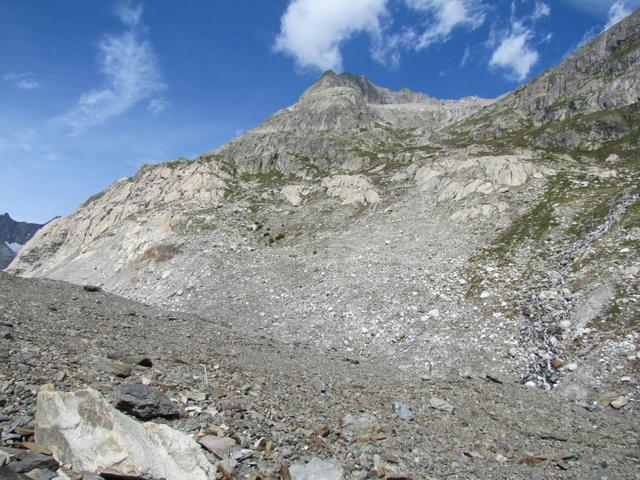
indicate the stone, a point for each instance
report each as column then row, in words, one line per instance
column 42, row 474
column 317, row 469
column 403, row 411
column 441, row 405
column 197, row 396
column 113, row 367
column 361, row 425
column 7, row 474
column 145, row 402
column 32, row 462
column 619, row 402
column 605, row 400
column 320, row 387
column 565, row 324
column 228, row 466
column 221, row 447
column 92, row 288
column 140, row 360
column 84, row 431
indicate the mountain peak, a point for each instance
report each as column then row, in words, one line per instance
column 371, row 93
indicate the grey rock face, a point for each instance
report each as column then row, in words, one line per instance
column 145, row 402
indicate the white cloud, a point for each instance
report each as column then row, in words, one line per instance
column 617, row 12
column 541, row 10
column 443, row 16
column 312, row 31
column 514, row 55
column 131, row 72
column 24, row 81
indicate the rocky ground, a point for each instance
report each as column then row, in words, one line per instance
column 286, row 407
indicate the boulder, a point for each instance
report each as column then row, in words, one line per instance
column 351, row 189
column 220, row 446
column 84, row 431
column 145, row 402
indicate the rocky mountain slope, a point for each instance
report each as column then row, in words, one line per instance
column 393, row 227
column 262, row 408
column 13, row 235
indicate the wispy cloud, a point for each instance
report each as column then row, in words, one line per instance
column 443, row 16
column 129, row 14
column 437, row 21
column 157, row 105
column 617, row 12
column 465, row 57
column 541, row 10
column 130, row 68
column 24, row 81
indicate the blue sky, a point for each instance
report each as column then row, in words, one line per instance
column 92, row 89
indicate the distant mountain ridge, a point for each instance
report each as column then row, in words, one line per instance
column 13, row 235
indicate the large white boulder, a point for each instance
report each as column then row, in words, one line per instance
column 83, row 430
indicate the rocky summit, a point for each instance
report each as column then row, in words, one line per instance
column 371, row 284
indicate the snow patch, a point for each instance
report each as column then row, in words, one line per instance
column 15, row 247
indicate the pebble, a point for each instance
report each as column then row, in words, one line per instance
column 320, row 387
